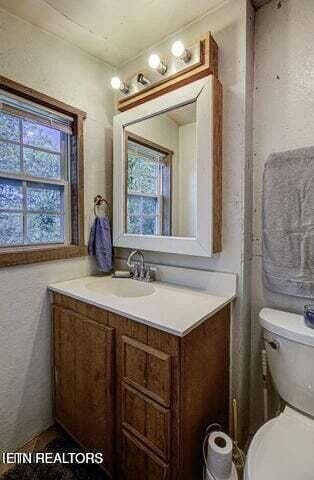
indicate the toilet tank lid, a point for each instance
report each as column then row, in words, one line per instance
column 287, row 325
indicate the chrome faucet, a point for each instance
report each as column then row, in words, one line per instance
column 139, row 270
column 136, row 268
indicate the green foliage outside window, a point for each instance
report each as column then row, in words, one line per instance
column 142, row 206
column 39, row 204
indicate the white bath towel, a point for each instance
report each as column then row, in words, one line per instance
column 288, row 222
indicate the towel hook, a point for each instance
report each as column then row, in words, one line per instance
column 98, row 201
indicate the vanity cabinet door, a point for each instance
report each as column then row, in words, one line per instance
column 140, row 463
column 84, row 376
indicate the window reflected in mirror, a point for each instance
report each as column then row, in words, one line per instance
column 161, row 174
column 149, row 188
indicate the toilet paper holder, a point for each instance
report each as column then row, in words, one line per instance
column 221, row 442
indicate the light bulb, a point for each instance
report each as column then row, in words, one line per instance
column 154, row 61
column 116, row 83
column 177, row 48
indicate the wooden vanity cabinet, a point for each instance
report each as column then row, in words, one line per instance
column 84, row 388
column 140, row 395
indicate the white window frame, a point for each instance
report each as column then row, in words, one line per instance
column 142, row 216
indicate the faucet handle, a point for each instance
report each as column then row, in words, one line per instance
column 150, row 273
column 135, row 271
column 142, row 272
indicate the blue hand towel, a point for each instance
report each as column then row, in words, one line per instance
column 100, row 243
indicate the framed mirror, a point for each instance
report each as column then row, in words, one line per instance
column 167, row 155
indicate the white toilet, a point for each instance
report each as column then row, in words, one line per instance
column 283, row 448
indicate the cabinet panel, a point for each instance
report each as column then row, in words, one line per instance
column 141, row 463
column 147, row 420
column 84, row 390
column 205, row 387
column 147, row 369
column 64, row 367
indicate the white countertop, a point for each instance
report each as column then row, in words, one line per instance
column 176, row 309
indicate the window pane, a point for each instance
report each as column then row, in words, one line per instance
column 134, row 173
column 134, row 205
column 148, row 185
column 149, row 206
column 9, row 157
column 42, row 164
column 43, row 228
column 9, row 127
column 11, row 195
column 148, row 168
column 149, row 226
column 134, row 225
column 141, row 174
column 44, row 198
column 40, row 136
column 11, row 228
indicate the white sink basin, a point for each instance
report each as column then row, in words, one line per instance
column 122, row 287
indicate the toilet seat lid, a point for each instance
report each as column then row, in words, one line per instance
column 283, row 449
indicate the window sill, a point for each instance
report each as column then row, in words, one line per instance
column 28, row 255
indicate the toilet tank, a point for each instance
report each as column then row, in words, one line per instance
column 290, row 353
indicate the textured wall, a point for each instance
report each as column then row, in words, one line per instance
column 284, row 118
column 45, row 63
column 232, row 28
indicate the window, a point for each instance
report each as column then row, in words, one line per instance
column 34, row 196
column 149, row 188
column 40, row 178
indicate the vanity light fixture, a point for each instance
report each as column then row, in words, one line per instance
column 117, row 84
column 155, row 63
column 142, row 80
column 178, row 50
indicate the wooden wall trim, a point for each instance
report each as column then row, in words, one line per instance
column 217, row 165
column 41, row 98
column 77, row 183
column 207, row 66
column 10, row 256
column 25, row 256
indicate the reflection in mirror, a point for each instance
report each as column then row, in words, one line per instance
column 161, row 174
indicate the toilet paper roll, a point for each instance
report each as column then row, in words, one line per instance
column 219, row 455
